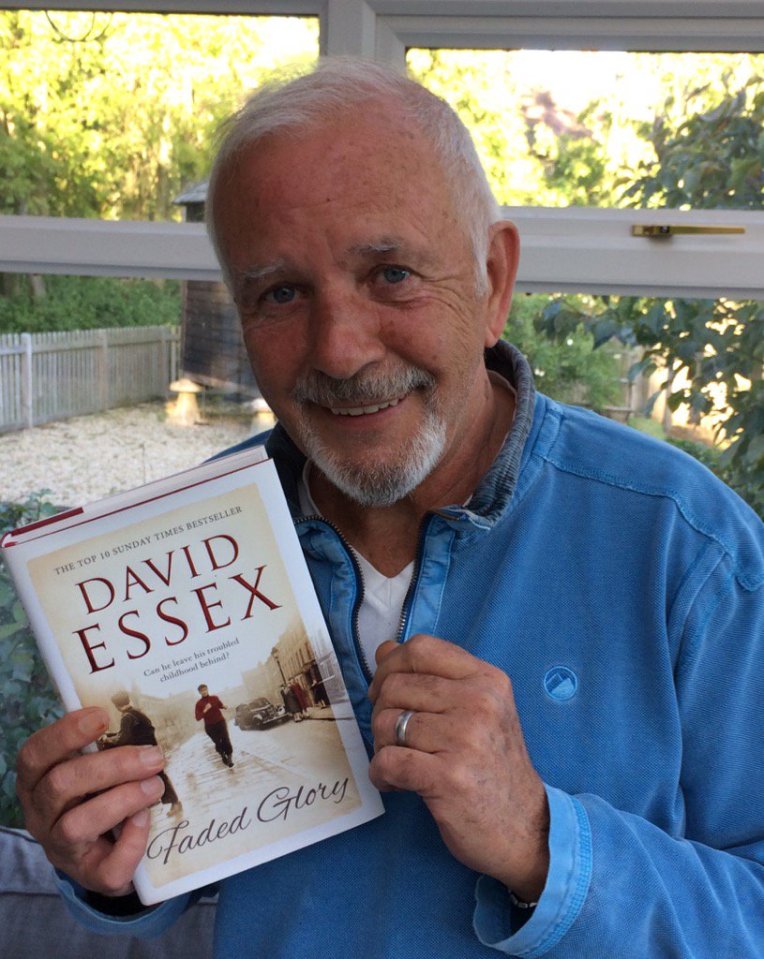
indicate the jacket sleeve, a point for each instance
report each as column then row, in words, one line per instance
column 619, row 884
column 150, row 922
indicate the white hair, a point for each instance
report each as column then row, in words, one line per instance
column 338, row 83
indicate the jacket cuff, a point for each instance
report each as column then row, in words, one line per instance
column 151, row 921
column 570, row 869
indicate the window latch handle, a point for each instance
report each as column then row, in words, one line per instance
column 662, row 231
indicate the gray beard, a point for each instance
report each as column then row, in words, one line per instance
column 378, row 484
column 385, row 483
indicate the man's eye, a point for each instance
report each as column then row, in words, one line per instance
column 280, row 295
column 395, row 274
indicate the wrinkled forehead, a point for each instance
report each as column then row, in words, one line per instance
column 365, row 141
column 372, row 173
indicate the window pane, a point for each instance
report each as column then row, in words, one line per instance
column 121, row 361
column 112, row 115
column 96, row 366
column 566, row 128
column 688, row 371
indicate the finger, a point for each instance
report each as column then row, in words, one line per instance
column 384, row 650
column 425, row 654
column 82, row 825
column 406, row 769
column 421, row 692
column 107, row 866
column 427, row 732
column 48, row 747
column 116, row 869
column 67, row 783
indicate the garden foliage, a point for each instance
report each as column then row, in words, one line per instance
column 90, row 303
column 709, row 160
column 25, row 690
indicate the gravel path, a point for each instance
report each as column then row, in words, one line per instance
column 84, row 458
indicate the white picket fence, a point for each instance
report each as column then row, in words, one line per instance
column 52, row 376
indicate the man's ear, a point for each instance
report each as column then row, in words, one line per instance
column 501, row 264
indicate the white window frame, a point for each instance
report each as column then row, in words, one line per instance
column 574, row 249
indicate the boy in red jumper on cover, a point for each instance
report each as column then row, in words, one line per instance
column 209, row 708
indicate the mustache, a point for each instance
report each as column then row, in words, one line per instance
column 363, row 388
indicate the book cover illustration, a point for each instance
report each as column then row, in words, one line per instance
column 192, row 619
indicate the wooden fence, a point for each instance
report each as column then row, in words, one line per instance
column 51, row 376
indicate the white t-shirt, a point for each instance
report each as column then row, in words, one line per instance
column 380, row 613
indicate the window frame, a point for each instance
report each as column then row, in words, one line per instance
column 572, row 249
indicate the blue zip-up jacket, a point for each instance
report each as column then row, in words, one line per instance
column 619, row 585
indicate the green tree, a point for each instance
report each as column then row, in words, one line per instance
column 111, row 114
column 711, row 159
column 534, row 152
column 567, row 368
column 90, row 303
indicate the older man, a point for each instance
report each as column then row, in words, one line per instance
column 566, row 617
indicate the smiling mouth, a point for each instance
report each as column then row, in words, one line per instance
column 364, row 410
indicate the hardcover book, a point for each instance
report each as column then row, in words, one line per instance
column 185, row 608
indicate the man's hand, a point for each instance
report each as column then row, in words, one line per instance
column 466, row 757
column 71, row 801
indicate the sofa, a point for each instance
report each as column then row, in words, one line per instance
column 34, row 923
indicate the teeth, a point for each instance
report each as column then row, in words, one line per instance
column 364, row 410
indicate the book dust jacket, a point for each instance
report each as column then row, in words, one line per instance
column 190, row 616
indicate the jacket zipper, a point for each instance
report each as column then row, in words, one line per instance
column 408, row 599
column 361, row 591
column 405, row 608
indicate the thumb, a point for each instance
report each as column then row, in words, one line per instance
column 384, row 650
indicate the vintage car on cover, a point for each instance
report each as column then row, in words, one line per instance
column 258, row 714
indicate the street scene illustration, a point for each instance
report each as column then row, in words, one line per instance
column 278, row 774
column 247, row 765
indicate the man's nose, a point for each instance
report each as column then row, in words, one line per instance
column 345, row 333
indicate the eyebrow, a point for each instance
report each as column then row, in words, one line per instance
column 383, row 245
column 259, row 272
